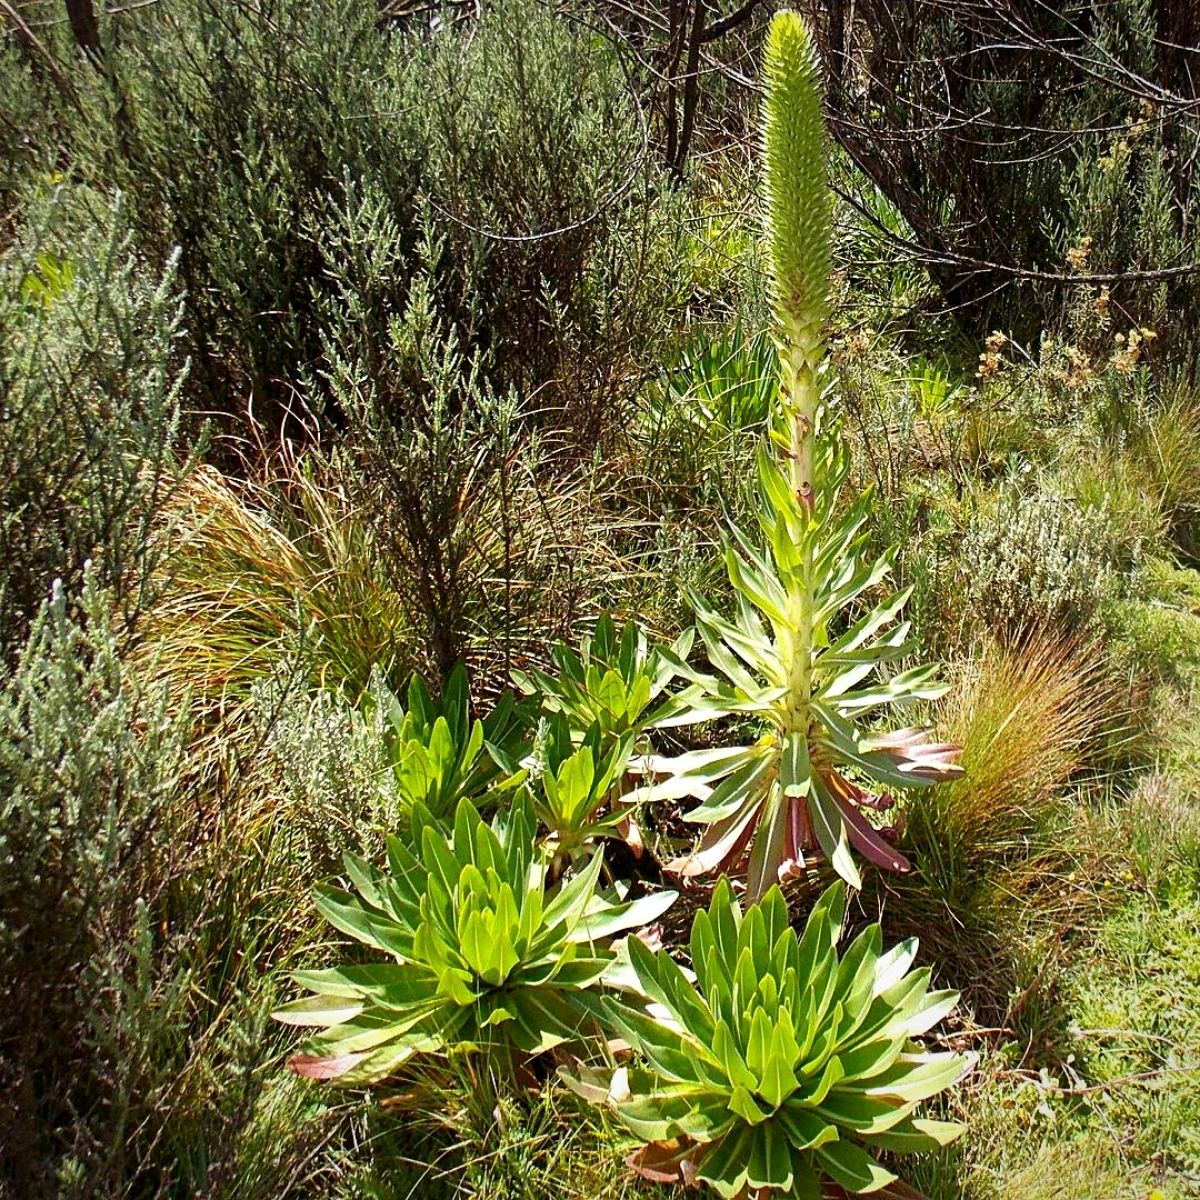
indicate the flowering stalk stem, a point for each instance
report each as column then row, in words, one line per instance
column 802, row 414
column 799, row 225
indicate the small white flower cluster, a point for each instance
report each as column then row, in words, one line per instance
column 325, row 763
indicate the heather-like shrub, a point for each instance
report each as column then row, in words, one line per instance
column 1038, row 559
column 88, row 764
column 90, row 374
column 294, row 157
column 26, row 133
column 493, row 543
column 561, row 241
column 230, row 128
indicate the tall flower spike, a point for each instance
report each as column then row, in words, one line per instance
column 812, row 650
column 799, row 214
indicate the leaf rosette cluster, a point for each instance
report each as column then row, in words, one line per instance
column 616, row 682
column 439, row 754
column 483, row 955
column 781, row 1066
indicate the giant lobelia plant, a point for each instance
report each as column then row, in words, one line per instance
column 439, row 755
column 810, row 650
column 574, row 789
column 484, row 956
column 781, row 1067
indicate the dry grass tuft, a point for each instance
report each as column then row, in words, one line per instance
column 1002, row 858
column 280, row 568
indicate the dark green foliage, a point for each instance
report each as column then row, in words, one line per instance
column 27, row 150
column 1026, row 139
column 293, row 155
column 231, row 128
column 538, row 256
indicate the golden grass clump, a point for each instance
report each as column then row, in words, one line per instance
column 282, row 568
column 1001, row 856
column 1025, row 716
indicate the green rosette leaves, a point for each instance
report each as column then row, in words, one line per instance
column 477, row 953
column 783, row 1066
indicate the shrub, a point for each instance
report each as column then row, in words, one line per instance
column 146, row 921
column 90, row 374
column 562, row 250
column 1153, row 639
column 1101, row 184
column 1113, row 485
column 297, row 158
column 1038, row 560
column 228, row 129
column 1126, row 206
column 493, row 543
column 27, row 134
column 321, row 780
column 89, row 764
column 680, row 482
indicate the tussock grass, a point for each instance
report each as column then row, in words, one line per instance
column 1117, row 483
column 1000, row 856
column 1169, row 447
column 282, row 566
